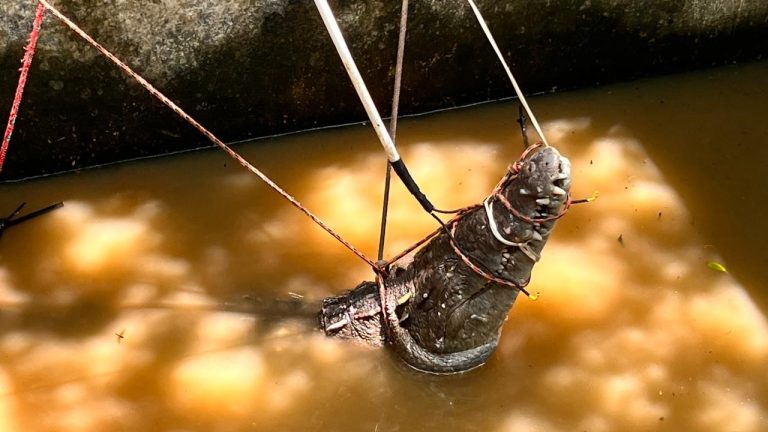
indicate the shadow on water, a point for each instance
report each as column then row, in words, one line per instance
column 117, row 310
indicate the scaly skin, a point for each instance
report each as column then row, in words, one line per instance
column 440, row 315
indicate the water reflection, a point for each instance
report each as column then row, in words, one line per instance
column 115, row 308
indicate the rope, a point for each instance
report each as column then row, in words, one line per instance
column 535, row 221
column 170, row 104
column 393, row 121
column 519, row 92
column 384, row 211
column 487, row 275
column 523, row 246
column 29, row 52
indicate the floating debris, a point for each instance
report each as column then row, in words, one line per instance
column 716, row 266
column 594, row 196
column 11, row 220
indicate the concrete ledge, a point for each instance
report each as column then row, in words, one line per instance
column 256, row 68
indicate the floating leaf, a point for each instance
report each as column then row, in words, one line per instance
column 716, row 266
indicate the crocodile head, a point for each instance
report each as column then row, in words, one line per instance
column 536, row 196
column 457, row 309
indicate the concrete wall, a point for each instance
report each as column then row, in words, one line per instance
column 259, row 67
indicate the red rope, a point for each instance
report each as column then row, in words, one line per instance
column 29, row 52
column 475, row 268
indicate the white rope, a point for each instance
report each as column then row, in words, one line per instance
column 357, row 80
column 488, row 204
column 524, row 246
column 509, row 72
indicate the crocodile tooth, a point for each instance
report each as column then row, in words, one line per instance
column 524, row 192
column 561, row 176
column 506, row 255
column 536, row 236
column 542, row 201
column 404, row 298
column 337, row 325
column 558, row 191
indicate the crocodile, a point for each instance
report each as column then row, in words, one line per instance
column 442, row 308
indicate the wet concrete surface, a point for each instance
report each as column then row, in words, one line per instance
column 257, row 68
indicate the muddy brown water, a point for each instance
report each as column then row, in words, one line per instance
column 631, row 335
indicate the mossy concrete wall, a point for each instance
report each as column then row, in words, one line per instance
column 249, row 68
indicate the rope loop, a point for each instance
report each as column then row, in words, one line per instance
column 482, row 272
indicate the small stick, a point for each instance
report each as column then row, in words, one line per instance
column 15, row 212
column 523, row 125
column 10, row 221
column 34, row 214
